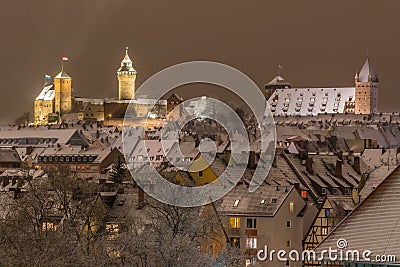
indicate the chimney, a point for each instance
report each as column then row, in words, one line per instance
column 309, row 166
column 338, row 172
column 357, row 164
column 140, row 198
column 252, row 160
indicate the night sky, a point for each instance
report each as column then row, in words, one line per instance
column 318, row 43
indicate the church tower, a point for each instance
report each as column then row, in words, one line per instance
column 126, row 78
column 62, row 93
column 366, row 83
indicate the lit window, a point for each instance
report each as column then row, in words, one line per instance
column 236, row 203
column 304, row 194
column 235, row 222
column 251, row 262
column 112, row 227
column 289, row 243
column 49, row 226
column 324, row 230
column 291, row 207
column 251, row 242
column 262, row 201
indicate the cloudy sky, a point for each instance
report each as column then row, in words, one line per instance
column 318, row 43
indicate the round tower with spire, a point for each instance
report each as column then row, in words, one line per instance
column 126, row 78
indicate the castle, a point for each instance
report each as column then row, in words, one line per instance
column 57, row 100
column 360, row 99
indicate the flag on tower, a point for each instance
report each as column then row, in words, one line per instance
column 64, row 58
column 47, row 77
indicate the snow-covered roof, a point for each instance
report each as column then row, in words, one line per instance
column 366, row 72
column 310, row 101
column 47, row 93
column 62, row 75
column 278, row 80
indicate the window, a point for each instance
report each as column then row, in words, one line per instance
column 200, row 174
column 112, row 227
column 324, row 230
column 323, row 191
column 291, row 207
column 235, row 242
column 49, row 226
column 235, row 222
column 251, row 242
column 327, row 213
column 251, row 223
column 273, row 200
column 236, row 203
column 288, row 224
column 304, row 194
column 289, row 243
column 251, row 262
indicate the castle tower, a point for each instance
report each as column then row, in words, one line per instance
column 366, row 83
column 126, row 78
column 62, row 93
